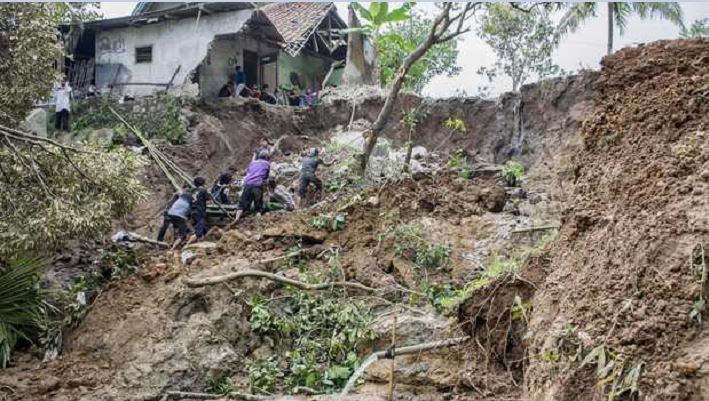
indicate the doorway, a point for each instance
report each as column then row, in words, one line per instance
column 251, row 68
column 269, row 71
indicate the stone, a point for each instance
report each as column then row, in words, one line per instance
column 419, row 152
column 36, row 122
column 373, row 200
column 187, row 256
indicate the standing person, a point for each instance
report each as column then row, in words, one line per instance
column 262, row 147
column 256, row 176
column 199, row 215
column 239, row 75
column 62, row 99
column 165, row 217
column 308, row 167
column 178, row 214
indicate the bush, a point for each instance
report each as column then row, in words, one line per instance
column 410, row 244
column 165, row 124
column 512, row 172
column 323, row 332
column 21, row 303
column 220, row 385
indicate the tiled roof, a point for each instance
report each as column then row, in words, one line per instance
column 295, row 22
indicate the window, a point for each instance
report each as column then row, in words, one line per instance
column 144, row 54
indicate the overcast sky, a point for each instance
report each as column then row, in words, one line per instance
column 581, row 49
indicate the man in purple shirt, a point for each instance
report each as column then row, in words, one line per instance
column 254, row 182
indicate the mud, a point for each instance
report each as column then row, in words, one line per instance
column 619, row 159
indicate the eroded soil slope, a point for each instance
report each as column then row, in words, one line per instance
column 628, row 268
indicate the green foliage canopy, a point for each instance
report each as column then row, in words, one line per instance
column 29, row 47
column 698, row 29
column 400, row 39
column 522, row 41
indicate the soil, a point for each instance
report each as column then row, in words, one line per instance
column 619, row 159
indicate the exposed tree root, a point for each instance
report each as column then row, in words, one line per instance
column 274, row 277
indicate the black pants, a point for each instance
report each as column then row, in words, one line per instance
column 179, row 225
column 252, row 194
column 305, row 180
column 61, row 120
column 163, row 227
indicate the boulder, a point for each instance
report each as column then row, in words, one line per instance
column 419, row 152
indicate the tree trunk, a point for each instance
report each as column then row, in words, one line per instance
column 358, row 69
column 386, row 111
column 409, row 150
column 611, row 9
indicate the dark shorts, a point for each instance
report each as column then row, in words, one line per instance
column 179, row 225
column 252, row 194
column 305, row 180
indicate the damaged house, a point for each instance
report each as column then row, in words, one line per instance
column 198, row 45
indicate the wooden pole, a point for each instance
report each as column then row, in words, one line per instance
column 393, row 361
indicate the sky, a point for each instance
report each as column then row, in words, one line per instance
column 582, row 49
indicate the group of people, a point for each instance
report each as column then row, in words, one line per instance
column 237, row 87
column 191, row 203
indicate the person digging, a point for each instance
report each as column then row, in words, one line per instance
column 199, row 210
column 178, row 213
column 308, row 167
column 254, row 182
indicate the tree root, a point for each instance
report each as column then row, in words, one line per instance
column 250, row 272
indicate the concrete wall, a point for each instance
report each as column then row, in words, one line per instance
column 174, row 43
column 310, row 69
column 224, row 55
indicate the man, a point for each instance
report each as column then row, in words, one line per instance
column 220, row 189
column 308, row 167
column 178, row 214
column 62, row 99
column 280, row 196
column 262, row 147
column 239, row 76
column 266, row 96
column 227, row 90
column 256, row 176
column 165, row 217
column 200, row 209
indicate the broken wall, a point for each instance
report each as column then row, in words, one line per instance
column 182, row 43
column 225, row 54
column 311, row 70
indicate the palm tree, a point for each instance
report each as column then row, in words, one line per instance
column 21, row 303
column 618, row 14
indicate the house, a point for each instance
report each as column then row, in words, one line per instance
column 168, row 45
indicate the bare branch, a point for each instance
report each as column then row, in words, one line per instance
column 274, row 277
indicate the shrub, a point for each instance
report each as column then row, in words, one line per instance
column 220, row 385
column 323, row 331
column 512, row 172
column 21, row 303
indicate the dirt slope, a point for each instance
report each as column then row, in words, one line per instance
column 628, row 266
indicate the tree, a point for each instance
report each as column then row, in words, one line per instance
column 49, row 193
column 402, row 38
column 448, row 25
column 618, row 14
column 522, row 40
column 29, row 47
column 698, row 29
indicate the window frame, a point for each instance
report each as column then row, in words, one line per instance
column 138, row 49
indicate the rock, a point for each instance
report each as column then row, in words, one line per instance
column 349, row 138
column 516, row 193
column 101, row 136
column 493, row 199
column 187, row 257
column 373, row 200
column 284, row 170
column 36, row 122
column 415, row 167
column 418, row 153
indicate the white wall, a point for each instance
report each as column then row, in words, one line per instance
column 174, row 43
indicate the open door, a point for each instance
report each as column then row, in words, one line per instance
column 269, row 71
column 251, row 68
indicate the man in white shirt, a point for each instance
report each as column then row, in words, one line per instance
column 62, row 99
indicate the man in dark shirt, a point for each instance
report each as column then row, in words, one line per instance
column 266, row 96
column 308, row 167
column 199, row 206
column 227, row 90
